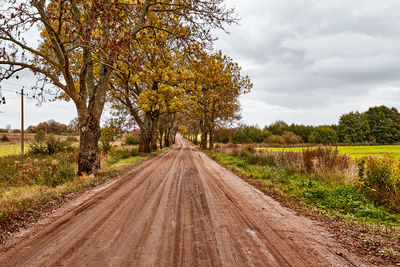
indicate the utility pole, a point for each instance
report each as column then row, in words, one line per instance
column 22, row 122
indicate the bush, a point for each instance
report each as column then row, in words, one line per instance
column 64, row 173
column 123, row 153
column 291, row 138
column 48, row 145
column 40, row 137
column 54, row 145
column 4, row 138
column 223, row 135
column 107, row 136
column 131, row 140
column 380, row 179
column 36, row 149
column 324, row 160
column 37, row 170
column 275, row 139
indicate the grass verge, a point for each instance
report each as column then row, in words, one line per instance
column 357, row 221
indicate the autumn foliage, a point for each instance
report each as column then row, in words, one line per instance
column 147, row 58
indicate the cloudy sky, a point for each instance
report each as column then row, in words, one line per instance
column 310, row 61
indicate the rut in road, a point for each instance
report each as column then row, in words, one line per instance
column 179, row 209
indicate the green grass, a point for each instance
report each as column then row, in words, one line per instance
column 332, row 197
column 7, row 150
column 353, row 151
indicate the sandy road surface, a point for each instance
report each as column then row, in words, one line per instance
column 178, row 209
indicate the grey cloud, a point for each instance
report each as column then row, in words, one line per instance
column 316, row 59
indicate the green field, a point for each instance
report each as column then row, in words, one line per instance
column 354, row 151
column 7, row 150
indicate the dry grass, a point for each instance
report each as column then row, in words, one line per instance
column 320, row 162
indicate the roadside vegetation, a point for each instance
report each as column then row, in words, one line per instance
column 322, row 180
column 46, row 175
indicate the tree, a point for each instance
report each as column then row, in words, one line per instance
column 73, row 126
column 291, row 138
column 249, row 134
column 323, row 135
column 43, row 126
column 31, row 129
column 384, row 124
column 278, row 127
column 82, row 43
column 353, row 128
column 223, row 135
column 214, row 92
column 152, row 92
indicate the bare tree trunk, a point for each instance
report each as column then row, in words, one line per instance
column 89, row 158
column 195, row 136
column 145, row 135
column 203, row 141
column 166, row 138
column 154, row 134
column 161, row 138
column 211, row 139
column 89, row 123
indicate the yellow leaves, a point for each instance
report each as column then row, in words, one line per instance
column 165, row 99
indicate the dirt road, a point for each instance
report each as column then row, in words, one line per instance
column 178, row 209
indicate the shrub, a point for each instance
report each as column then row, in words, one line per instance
column 36, row 148
column 223, row 135
column 131, row 140
column 4, row 138
column 123, row 153
column 275, row 139
column 107, row 136
column 48, row 145
column 64, row 173
column 40, row 137
column 291, row 138
column 54, row 145
column 380, row 179
column 322, row 160
column 37, row 169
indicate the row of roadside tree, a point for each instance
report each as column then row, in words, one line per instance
column 151, row 61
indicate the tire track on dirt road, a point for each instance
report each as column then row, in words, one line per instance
column 178, row 209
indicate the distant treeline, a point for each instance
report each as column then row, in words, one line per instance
column 378, row 125
column 50, row 126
